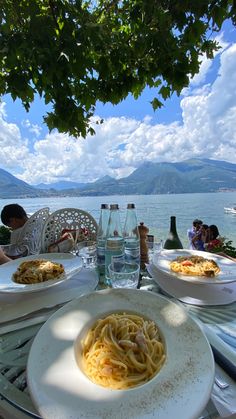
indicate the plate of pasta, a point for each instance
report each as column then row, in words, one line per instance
column 195, row 266
column 120, row 353
column 37, row 272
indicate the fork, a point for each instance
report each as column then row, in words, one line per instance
column 220, row 382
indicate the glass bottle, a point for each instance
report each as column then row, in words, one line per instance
column 114, row 247
column 131, row 236
column 101, row 238
column 173, row 241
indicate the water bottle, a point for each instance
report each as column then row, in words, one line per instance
column 114, row 247
column 101, row 239
column 131, row 236
column 173, row 241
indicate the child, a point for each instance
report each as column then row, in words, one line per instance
column 15, row 217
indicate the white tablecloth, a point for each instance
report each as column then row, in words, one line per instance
column 14, row 305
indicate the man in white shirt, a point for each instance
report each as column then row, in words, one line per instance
column 15, row 217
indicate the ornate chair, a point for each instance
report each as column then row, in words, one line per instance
column 67, row 218
column 30, row 238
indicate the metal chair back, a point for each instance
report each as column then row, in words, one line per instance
column 31, row 234
column 67, row 218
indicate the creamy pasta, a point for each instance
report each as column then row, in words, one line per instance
column 38, row 270
column 122, row 351
column 195, row 265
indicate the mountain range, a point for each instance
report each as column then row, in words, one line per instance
column 189, row 176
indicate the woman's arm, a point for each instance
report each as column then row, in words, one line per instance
column 3, row 258
column 226, row 256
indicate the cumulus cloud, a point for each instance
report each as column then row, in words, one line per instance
column 34, row 128
column 13, row 148
column 123, row 144
column 205, row 66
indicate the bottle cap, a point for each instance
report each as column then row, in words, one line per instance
column 130, row 206
column 104, row 206
column 114, row 206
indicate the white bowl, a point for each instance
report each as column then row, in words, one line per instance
column 61, row 390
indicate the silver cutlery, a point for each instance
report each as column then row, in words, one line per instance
column 32, row 314
column 220, row 382
column 31, row 319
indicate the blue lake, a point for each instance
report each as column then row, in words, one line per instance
column 153, row 210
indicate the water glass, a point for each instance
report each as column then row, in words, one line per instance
column 88, row 252
column 155, row 249
column 126, row 276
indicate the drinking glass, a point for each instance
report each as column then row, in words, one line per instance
column 88, row 252
column 126, row 276
column 155, row 249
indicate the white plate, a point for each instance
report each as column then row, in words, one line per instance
column 197, row 294
column 60, row 390
column 71, row 263
column 227, row 266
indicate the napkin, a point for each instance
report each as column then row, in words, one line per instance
column 219, row 325
column 224, row 399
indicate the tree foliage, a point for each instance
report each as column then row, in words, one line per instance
column 74, row 53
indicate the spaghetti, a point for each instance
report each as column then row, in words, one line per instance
column 38, row 270
column 122, row 351
column 195, row 266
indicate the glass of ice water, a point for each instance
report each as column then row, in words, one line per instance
column 125, row 276
column 155, row 249
column 88, row 253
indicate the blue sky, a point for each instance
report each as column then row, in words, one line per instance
column 199, row 123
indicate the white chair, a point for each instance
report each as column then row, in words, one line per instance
column 67, row 218
column 30, row 238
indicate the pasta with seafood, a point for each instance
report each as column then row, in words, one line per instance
column 122, row 351
column 195, row 265
column 38, row 270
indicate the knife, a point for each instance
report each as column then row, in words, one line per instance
column 224, row 363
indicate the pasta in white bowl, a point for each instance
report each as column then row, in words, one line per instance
column 122, row 350
column 217, row 269
column 66, row 265
column 60, row 387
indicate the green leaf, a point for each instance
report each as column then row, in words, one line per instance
column 156, row 104
column 165, row 92
column 76, row 53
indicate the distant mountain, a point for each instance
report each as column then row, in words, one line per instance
column 11, row 187
column 65, row 184
column 189, row 176
column 59, row 186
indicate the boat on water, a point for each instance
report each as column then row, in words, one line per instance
column 230, row 210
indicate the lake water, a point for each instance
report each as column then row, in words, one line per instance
column 153, row 210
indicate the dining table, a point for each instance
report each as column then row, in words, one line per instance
column 23, row 314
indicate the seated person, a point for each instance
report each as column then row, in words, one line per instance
column 194, row 233
column 205, row 233
column 15, row 217
column 201, row 237
column 213, row 233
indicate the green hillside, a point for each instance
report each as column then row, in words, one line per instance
column 189, row 176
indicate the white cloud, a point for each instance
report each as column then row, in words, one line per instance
column 205, row 66
column 122, row 144
column 34, row 128
column 13, row 148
